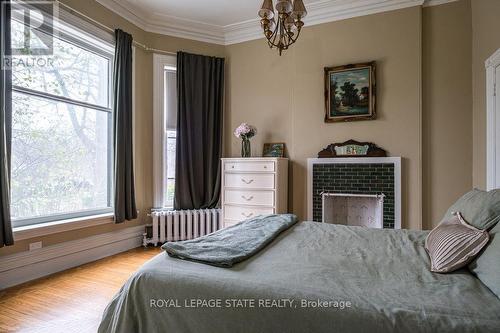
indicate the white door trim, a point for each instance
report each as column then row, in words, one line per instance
column 160, row 61
column 492, row 122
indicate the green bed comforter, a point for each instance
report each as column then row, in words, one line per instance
column 313, row 278
column 229, row 246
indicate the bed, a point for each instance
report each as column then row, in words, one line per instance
column 314, row 277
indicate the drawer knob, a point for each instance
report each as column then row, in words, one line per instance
column 265, row 166
column 247, row 215
column 247, row 198
column 247, row 181
column 232, row 166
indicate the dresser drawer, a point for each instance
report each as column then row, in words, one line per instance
column 249, row 197
column 249, row 166
column 240, row 213
column 250, row 181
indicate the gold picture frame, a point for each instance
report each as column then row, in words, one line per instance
column 350, row 92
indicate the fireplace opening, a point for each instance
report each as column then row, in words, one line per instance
column 359, row 176
column 365, row 210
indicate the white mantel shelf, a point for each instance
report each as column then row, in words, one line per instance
column 396, row 161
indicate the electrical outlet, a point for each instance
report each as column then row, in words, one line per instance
column 35, row 246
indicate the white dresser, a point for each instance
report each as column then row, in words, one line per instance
column 253, row 186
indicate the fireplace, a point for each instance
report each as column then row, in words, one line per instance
column 361, row 179
column 364, row 210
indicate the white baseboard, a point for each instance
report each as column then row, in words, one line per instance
column 21, row 267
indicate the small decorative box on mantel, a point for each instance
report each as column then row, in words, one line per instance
column 352, row 148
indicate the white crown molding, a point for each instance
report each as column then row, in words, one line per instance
column 322, row 11
column 430, row 3
column 131, row 14
column 328, row 11
column 243, row 32
column 183, row 28
column 166, row 24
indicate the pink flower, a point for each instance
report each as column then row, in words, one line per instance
column 245, row 131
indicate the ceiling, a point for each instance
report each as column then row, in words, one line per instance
column 216, row 12
column 233, row 21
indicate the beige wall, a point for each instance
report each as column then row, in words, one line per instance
column 143, row 117
column 283, row 96
column 485, row 41
column 447, row 107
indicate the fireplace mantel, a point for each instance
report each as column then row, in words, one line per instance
column 395, row 161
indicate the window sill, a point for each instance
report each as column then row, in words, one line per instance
column 49, row 228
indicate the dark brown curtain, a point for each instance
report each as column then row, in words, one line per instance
column 6, row 237
column 125, row 207
column 200, row 95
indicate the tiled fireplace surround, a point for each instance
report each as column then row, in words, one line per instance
column 356, row 175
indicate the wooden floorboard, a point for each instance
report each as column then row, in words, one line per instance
column 69, row 301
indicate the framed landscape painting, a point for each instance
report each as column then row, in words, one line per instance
column 350, row 92
column 274, row 150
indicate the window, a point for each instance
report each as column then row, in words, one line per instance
column 61, row 127
column 170, row 134
column 165, row 129
column 169, row 168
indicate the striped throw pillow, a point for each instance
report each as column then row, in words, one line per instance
column 453, row 244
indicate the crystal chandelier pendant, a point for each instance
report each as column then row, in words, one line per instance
column 282, row 28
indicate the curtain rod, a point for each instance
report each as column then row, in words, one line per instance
column 111, row 30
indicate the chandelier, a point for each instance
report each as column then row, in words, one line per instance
column 282, row 30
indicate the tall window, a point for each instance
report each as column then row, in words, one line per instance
column 170, row 135
column 165, row 129
column 61, row 128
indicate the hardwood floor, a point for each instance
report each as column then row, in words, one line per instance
column 69, row 301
